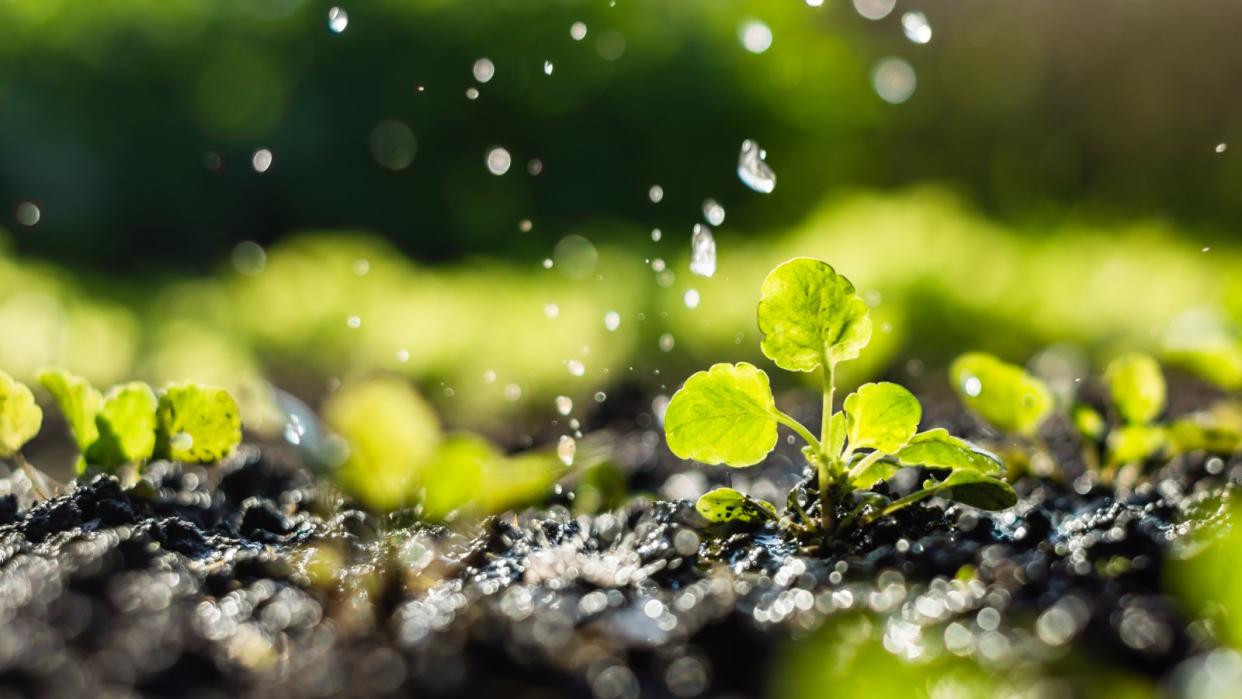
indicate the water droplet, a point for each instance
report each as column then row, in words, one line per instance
column 547, row 263
column 610, row 45
column 392, row 144
column 702, row 251
column 874, row 9
column 483, row 70
column 655, row 194
column 547, row 67
column 600, row 396
column 565, row 449
column 612, row 320
column 916, row 27
column 472, row 93
column 403, row 355
column 972, row 386
column 182, row 441
column 498, row 161
column 575, row 256
column 894, row 80
column 362, row 267
column 814, row 3
column 248, row 257
column 354, row 322
column 338, row 20
column 691, row 298
column 576, row 368
column 534, row 166
column 525, row 225
column 261, row 160
column 513, row 392
column 489, row 376
column 713, row 212
column 564, row 405
column 755, row 36
column 551, row 310
column 1206, row 248
column 1222, row 147
column 752, row 170
column 657, row 265
column 656, row 234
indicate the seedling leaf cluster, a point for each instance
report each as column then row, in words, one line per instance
column 812, row 320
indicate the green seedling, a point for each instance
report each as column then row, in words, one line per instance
column 20, row 420
column 130, row 424
column 812, row 320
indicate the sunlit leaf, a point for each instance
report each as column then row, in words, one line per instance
column 882, row 416
column 20, row 416
column 1003, row 394
column 454, row 476
column 937, row 448
column 836, row 433
column 878, row 470
column 1134, row 443
column 728, row 505
column 973, row 488
column 197, row 424
column 127, row 427
column 78, row 401
column 724, row 415
column 1137, row 387
column 809, row 314
column 1192, row 434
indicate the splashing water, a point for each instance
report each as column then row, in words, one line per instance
column 338, row 20
column 564, row 405
column 702, row 251
column 566, row 449
column 713, row 212
column 916, row 27
column 752, row 170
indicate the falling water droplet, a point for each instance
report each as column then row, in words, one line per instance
column 600, row 396
column 483, row 70
column 472, row 93
column 755, row 36
column 513, row 392
column 551, row 310
column 612, row 320
column 894, row 80
column 713, row 212
column 702, row 251
column 248, row 258
column 565, row 449
column 578, row 31
column 362, row 267
column 657, row 265
column 655, row 194
column 972, row 385
column 498, row 161
column 261, row 160
column 525, row 225
column 547, row 67
column 691, row 298
column 182, row 441
column 338, row 20
column 354, row 322
column 576, row 368
column 547, row 263
column 564, row 405
column 1222, row 147
column 28, row 214
column 752, row 170
column 656, row 234
column 666, row 342
column 403, row 355
column 916, row 27
column 874, row 9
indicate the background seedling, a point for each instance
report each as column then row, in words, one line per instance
column 20, row 420
column 812, row 319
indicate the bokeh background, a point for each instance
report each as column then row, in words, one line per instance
column 287, row 193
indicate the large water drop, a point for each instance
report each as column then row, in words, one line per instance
column 752, row 170
column 702, row 251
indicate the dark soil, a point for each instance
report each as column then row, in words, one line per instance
column 252, row 579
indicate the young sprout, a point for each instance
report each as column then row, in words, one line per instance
column 1003, row 394
column 20, row 420
column 812, row 320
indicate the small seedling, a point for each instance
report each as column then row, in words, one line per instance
column 130, row 424
column 20, row 420
column 812, row 320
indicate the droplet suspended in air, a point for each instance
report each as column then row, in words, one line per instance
column 261, row 160
column 752, row 169
column 551, row 310
column 338, row 20
column 498, row 161
column 575, row 367
column 691, row 299
column 248, row 258
column 1222, row 147
column 655, row 194
column 713, row 212
column 354, row 322
column 182, row 441
column 525, row 225
column 28, row 214
column 547, row 67
column 483, row 70
column 656, row 234
column 666, row 342
column 564, row 405
column 894, row 80
column 392, row 144
column 361, row 267
column 472, row 93
column 972, row 386
column 755, row 36
column 565, row 449
column 702, row 251
column 612, row 320
column 578, row 31
column 874, row 9
column 403, row 355
column 916, row 27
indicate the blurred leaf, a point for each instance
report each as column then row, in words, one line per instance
column 197, row 424
column 809, row 314
column 937, row 448
column 723, row 415
column 728, row 505
column 1137, row 387
column 456, row 474
column 20, row 416
column 1134, row 443
column 78, row 401
column 126, row 425
column 1003, row 394
column 882, row 416
column 1088, row 421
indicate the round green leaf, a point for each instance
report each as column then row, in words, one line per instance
column 20, row 416
column 809, row 314
column 882, row 416
column 937, row 448
column 126, row 425
column 1137, row 386
column 1001, row 393
column 78, row 401
column 197, row 424
column 724, row 415
column 728, row 505
column 972, row 488
column 1134, row 443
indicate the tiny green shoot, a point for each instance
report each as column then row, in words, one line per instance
column 20, row 420
column 812, row 320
